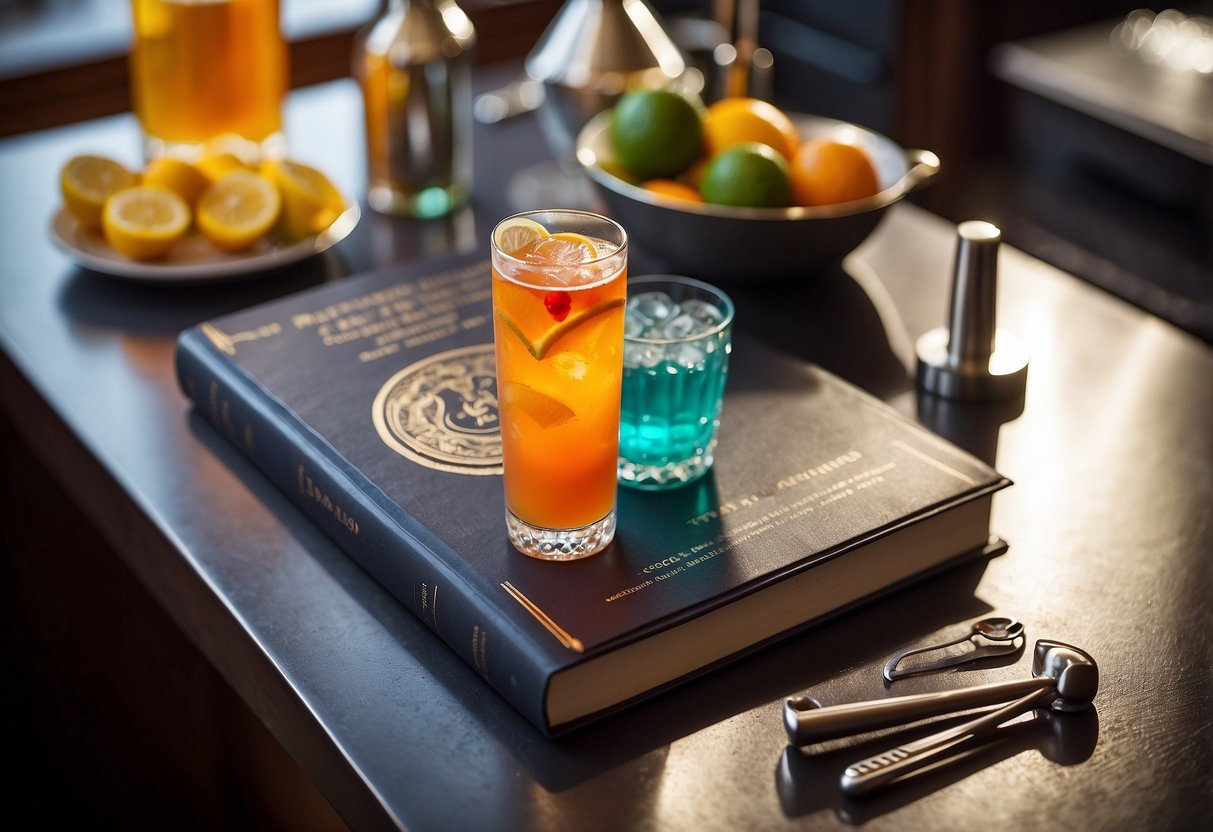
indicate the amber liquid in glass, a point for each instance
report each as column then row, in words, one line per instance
column 206, row 68
column 559, row 388
column 415, row 68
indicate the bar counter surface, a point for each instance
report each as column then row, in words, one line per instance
column 1111, row 544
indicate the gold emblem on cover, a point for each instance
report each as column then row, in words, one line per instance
column 441, row 412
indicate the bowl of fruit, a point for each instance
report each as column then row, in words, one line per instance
column 741, row 190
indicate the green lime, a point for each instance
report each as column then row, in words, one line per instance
column 749, row 174
column 656, row 133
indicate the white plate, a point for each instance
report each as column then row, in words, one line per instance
column 193, row 259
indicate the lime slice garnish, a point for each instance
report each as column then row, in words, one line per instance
column 540, row 348
column 515, row 234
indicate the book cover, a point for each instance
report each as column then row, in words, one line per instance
column 372, row 403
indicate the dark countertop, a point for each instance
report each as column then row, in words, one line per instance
column 1108, row 167
column 1108, row 522
column 1090, row 70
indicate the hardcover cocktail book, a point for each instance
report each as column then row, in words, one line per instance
column 372, row 403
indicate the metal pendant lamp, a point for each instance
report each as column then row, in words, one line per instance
column 595, row 50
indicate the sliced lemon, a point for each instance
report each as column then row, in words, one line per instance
column 218, row 165
column 233, row 144
column 513, row 235
column 178, row 176
column 144, row 221
column 545, row 410
column 310, row 201
column 540, row 347
column 87, row 182
column 238, row 210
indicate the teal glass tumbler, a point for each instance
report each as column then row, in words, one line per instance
column 676, row 345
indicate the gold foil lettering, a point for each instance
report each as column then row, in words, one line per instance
column 408, row 314
column 309, row 488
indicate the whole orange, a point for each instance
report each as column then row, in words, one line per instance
column 694, row 174
column 673, row 189
column 732, row 121
column 826, row 172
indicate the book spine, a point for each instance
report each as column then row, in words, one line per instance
column 408, row 561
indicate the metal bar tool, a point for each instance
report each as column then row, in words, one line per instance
column 993, row 636
column 1064, row 677
column 971, row 359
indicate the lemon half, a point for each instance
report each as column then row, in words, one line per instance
column 238, row 210
column 215, row 166
column 310, row 201
column 87, row 182
column 144, row 221
column 177, row 175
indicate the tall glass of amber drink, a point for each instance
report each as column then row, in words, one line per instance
column 203, row 70
column 559, row 288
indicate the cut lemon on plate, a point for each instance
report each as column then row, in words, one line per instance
column 310, row 201
column 513, row 235
column 218, row 165
column 87, row 182
column 545, row 410
column 238, row 210
column 177, row 175
column 144, row 221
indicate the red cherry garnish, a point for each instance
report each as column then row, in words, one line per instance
column 558, row 305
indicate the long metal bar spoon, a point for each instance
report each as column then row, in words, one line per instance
column 1064, row 677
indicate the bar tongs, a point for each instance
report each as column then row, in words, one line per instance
column 1064, row 678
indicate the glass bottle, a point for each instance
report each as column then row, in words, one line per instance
column 415, row 67
column 209, row 76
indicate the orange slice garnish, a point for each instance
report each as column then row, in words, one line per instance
column 564, row 248
column 545, row 410
column 539, row 348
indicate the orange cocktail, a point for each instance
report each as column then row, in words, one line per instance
column 207, row 68
column 559, row 287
